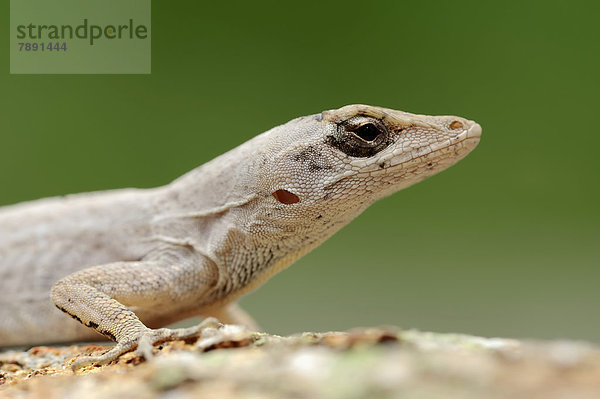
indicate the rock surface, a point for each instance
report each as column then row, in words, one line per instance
column 365, row 363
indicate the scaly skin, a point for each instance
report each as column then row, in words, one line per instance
column 124, row 262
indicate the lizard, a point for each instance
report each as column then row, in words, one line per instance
column 125, row 263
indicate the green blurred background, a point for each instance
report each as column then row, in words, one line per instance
column 503, row 244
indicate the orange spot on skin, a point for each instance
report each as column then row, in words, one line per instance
column 285, row 197
column 456, row 125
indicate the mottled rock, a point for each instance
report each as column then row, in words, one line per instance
column 364, row 363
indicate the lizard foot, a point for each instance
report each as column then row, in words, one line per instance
column 145, row 343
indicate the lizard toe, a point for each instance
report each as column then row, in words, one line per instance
column 105, row 358
column 149, row 338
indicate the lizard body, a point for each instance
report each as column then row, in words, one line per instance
column 124, row 262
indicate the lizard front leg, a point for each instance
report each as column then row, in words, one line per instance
column 101, row 297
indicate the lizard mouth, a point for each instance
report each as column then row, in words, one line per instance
column 462, row 143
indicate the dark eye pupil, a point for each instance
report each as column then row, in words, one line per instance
column 368, row 132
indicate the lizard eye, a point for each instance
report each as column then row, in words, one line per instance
column 367, row 132
column 360, row 137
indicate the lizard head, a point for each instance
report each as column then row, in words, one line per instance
column 316, row 173
column 349, row 157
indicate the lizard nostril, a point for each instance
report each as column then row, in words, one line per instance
column 455, row 125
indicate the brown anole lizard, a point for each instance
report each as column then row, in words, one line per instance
column 124, row 263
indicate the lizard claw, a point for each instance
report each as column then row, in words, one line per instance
column 145, row 343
